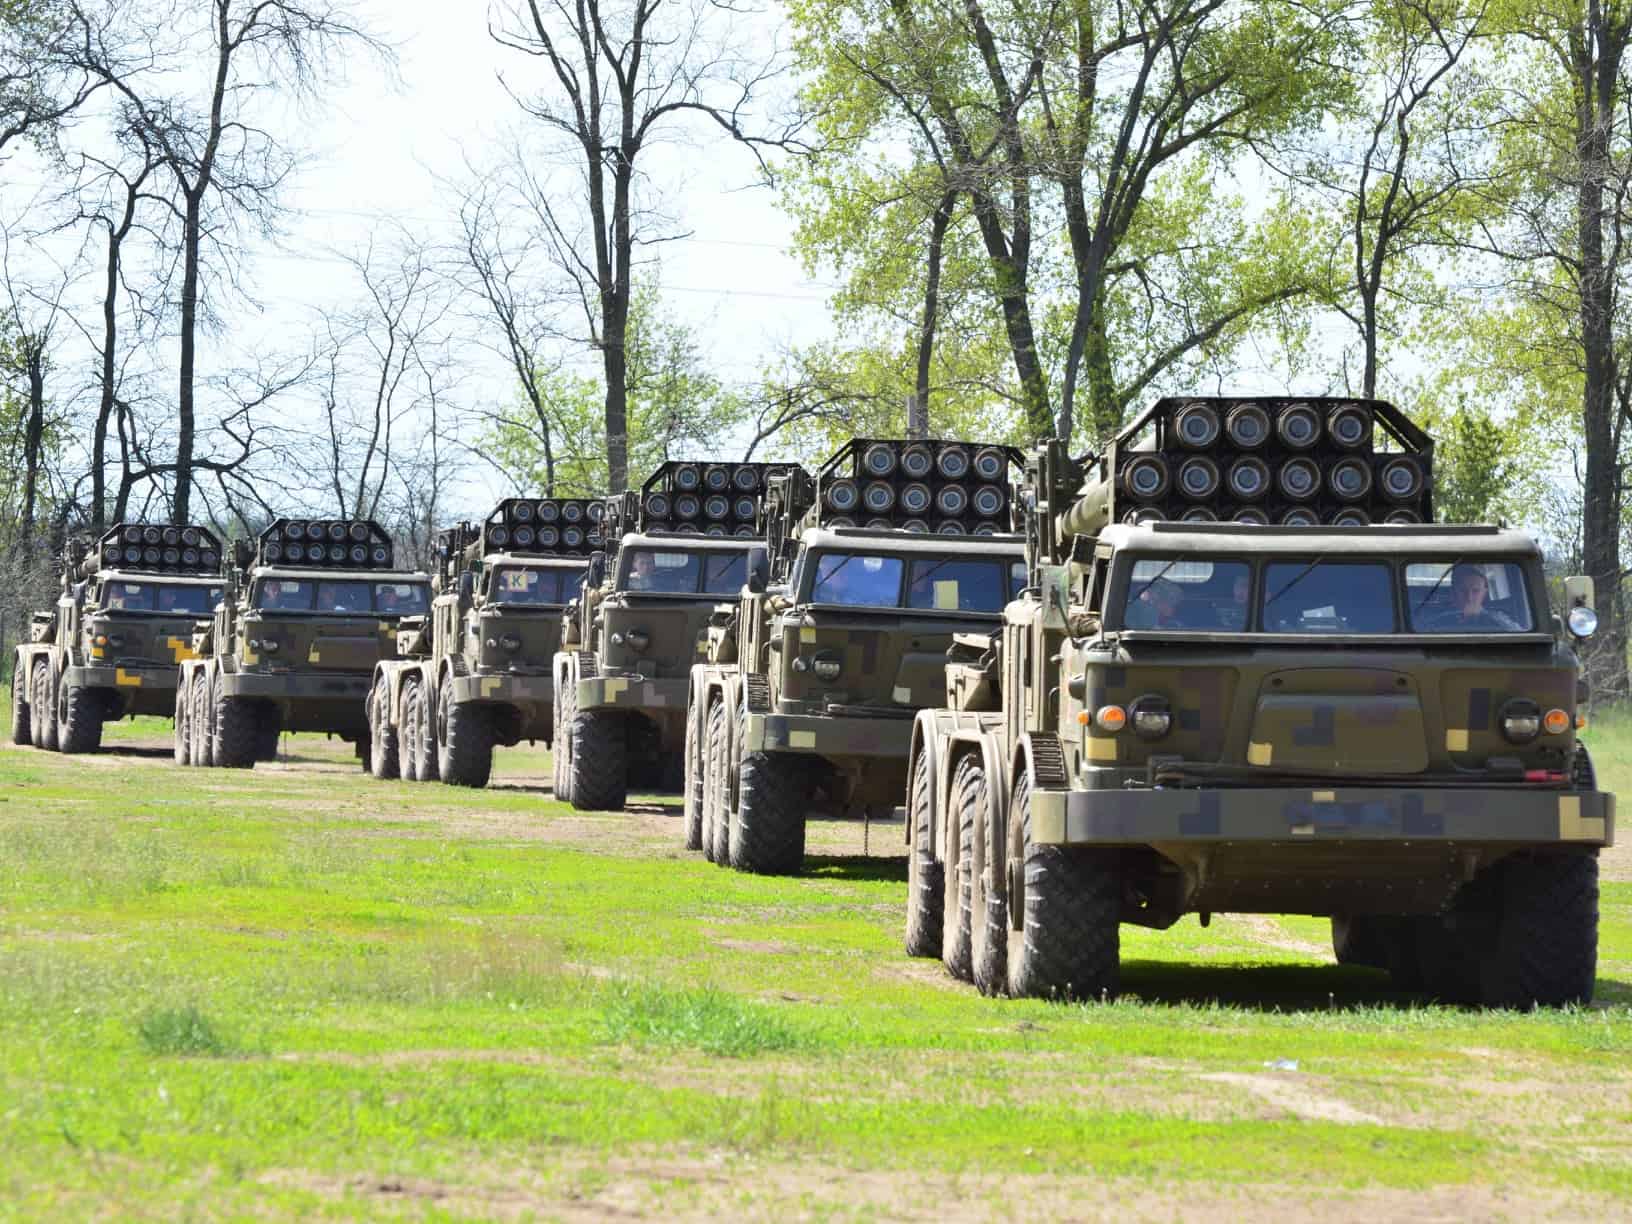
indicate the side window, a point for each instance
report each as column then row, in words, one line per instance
column 1097, row 576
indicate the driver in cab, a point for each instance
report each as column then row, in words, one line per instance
column 1469, row 591
column 1161, row 605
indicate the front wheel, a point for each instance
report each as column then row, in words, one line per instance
column 383, row 761
column 692, row 783
column 45, row 705
column 1069, row 944
column 181, row 727
column 237, row 729
column 766, row 833
column 464, row 741
column 600, row 766
column 80, row 729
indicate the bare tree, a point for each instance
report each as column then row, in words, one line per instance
column 228, row 170
column 52, row 56
column 618, row 78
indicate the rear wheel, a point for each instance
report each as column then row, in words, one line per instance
column 409, row 755
column 600, row 764
column 1361, row 939
column 692, row 784
column 425, row 735
column 988, row 913
column 45, row 704
column 464, row 741
column 198, row 721
column 968, row 780
column 181, row 728
column 382, row 758
column 566, row 695
column 20, row 731
column 716, row 804
column 1069, row 946
column 925, row 878
column 80, row 728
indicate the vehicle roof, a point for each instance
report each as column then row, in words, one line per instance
column 505, row 558
column 356, row 575
column 124, row 575
column 1415, row 539
column 913, row 541
column 685, row 539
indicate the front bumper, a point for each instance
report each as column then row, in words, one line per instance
column 159, row 677
column 1145, row 817
column 298, row 686
column 829, row 735
column 508, row 690
column 633, row 693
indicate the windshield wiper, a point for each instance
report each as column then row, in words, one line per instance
column 1296, row 578
column 1434, row 590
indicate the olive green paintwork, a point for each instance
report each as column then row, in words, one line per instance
column 319, row 674
column 650, row 682
column 892, row 664
column 137, row 677
column 460, row 645
column 1303, row 773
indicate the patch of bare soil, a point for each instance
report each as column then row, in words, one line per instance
column 1261, row 928
column 702, row 1185
column 1296, row 1095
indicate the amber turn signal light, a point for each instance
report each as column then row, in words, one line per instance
column 1556, row 722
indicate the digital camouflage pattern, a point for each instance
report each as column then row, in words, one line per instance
column 1120, row 753
column 92, row 660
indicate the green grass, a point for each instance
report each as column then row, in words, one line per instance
column 277, row 992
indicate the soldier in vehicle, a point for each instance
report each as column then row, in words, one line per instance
column 642, row 571
column 1159, row 606
column 1469, row 590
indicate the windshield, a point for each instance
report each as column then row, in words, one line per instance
column 1320, row 596
column 945, row 584
column 1462, row 597
column 675, row 572
column 1199, row 595
column 326, row 596
column 525, row 584
column 160, row 597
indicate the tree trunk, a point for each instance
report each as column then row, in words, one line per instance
column 918, row 404
column 1598, row 71
column 104, row 407
column 615, row 363
column 189, row 325
column 33, row 348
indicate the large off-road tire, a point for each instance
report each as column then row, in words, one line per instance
column 968, row 787
column 600, row 764
column 1543, row 946
column 692, row 783
column 925, row 877
column 1364, row 939
column 464, row 741
column 988, row 907
column 408, row 754
column 566, row 697
column 237, row 729
column 766, row 834
column 20, row 731
column 268, row 730
column 430, row 768
column 198, row 721
column 383, row 761
column 716, row 788
column 80, row 728
column 180, row 726
column 1069, row 946
column 45, row 705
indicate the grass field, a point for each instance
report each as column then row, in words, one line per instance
column 299, row 991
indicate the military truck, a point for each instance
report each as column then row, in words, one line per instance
column 839, row 638
column 1248, row 674
column 110, row 647
column 674, row 549
column 309, row 610
column 476, row 672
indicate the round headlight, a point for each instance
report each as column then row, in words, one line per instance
column 510, row 642
column 1151, row 717
column 1583, row 621
column 827, row 667
column 638, row 639
column 1521, row 720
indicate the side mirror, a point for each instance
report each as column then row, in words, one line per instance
column 243, row 554
column 595, row 573
column 759, row 570
column 467, row 586
column 1579, row 613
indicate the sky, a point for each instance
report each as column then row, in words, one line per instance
column 389, row 144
